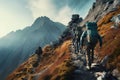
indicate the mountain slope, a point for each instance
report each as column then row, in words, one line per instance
column 54, row 67
column 111, row 39
column 17, row 46
column 100, row 8
column 102, row 12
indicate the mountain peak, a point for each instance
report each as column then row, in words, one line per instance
column 41, row 20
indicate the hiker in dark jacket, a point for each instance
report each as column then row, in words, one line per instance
column 39, row 51
column 78, row 34
column 75, row 30
column 92, row 37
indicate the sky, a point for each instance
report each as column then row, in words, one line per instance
column 18, row 14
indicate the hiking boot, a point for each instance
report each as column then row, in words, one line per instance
column 88, row 68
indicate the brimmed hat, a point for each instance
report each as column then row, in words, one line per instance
column 75, row 16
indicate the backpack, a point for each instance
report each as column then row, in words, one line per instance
column 92, row 33
column 91, row 26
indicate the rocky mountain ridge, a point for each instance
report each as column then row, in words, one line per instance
column 18, row 46
column 100, row 8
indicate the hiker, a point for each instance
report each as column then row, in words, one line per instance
column 75, row 30
column 39, row 51
column 78, row 34
column 75, row 20
column 92, row 37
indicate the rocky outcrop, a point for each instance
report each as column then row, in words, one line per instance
column 116, row 21
column 100, row 8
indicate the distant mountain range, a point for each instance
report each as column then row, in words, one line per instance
column 17, row 46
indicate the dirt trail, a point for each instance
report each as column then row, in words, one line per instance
column 97, row 71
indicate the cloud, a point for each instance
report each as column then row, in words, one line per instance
column 57, row 10
column 64, row 15
column 49, row 9
column 41, row 8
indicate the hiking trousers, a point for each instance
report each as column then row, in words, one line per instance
column 90, row 56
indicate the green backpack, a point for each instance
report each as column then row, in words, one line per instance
column 92, row 33
column 91, row 26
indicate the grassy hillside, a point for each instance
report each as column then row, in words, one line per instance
column 111, row 40
column 54, row 65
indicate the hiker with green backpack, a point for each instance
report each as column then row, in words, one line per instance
column 91, row 36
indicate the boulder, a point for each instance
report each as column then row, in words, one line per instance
column 116, row 20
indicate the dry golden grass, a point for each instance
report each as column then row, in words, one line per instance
column 24, row 70
column 111, row 40
column 55, row 62
column 59, row 69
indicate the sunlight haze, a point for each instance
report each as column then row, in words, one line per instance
column 18, row 14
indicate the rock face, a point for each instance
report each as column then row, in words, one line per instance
column 101, row 8
column 116, row 21
column 17, row 46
